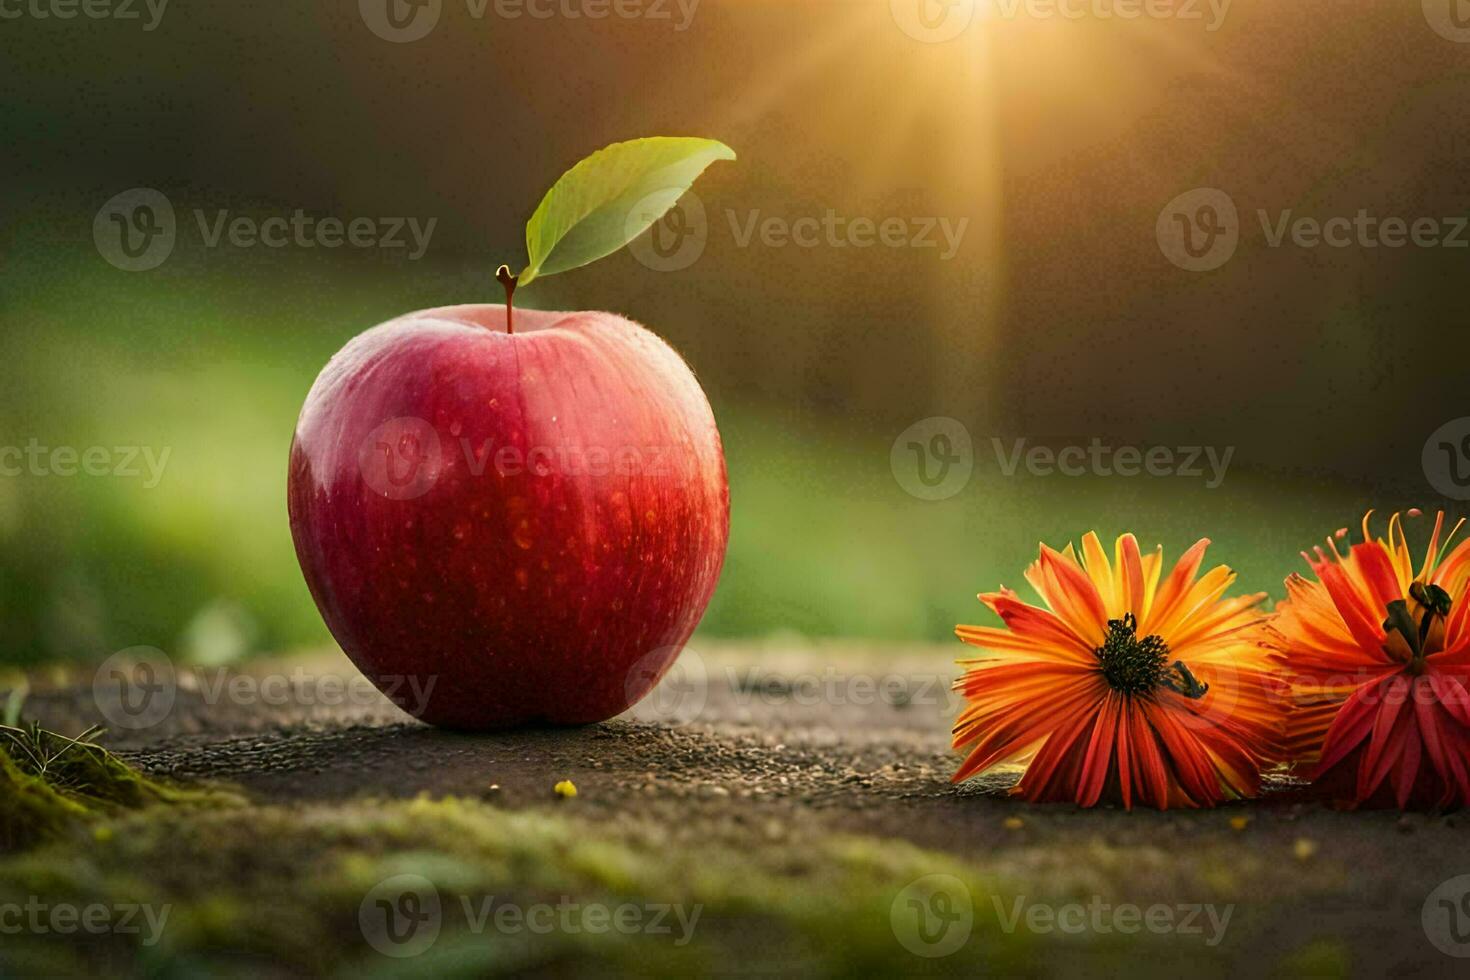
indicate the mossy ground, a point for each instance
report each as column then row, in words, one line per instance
column 278, row 889
column 51, row 785
column 802, row 832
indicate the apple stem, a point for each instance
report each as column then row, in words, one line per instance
column 509, row 282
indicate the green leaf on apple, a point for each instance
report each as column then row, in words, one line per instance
column 611, row 198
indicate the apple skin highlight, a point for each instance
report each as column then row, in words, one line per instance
column 508, row 529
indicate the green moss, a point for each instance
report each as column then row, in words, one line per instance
column 1322, row 958
column 50, row 785
column 30, row 810
column 282, row 887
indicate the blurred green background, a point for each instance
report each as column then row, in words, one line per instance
column 1058, row 320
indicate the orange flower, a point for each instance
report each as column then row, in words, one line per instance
column 1126, row 687
column 1379, row 657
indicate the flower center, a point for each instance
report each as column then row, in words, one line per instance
column 1139, row 666
column 1414, row 632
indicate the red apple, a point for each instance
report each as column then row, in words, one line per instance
column 503, row 528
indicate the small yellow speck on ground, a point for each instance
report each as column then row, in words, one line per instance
column 1240, row 822
column 1304, row 848
column 566, row 789
column 1014, row 823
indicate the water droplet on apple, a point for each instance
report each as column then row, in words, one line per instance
column 522, row 535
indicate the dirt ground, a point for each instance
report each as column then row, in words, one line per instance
column 756, row 749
